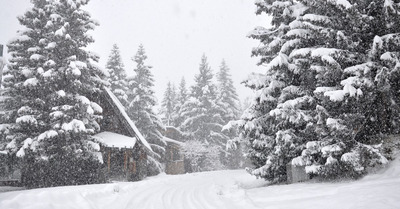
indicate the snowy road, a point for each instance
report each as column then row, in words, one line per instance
column 222, row 189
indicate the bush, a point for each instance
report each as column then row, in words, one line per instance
column 61, row 171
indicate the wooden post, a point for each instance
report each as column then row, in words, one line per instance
column 125, row 163
column 109, row 160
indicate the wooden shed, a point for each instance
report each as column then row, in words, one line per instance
column 174, row 158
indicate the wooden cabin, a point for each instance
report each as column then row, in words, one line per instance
column 124, row 150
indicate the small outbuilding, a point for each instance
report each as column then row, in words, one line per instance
column 175, row 163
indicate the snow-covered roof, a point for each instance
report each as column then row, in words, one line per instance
column 110, row 139
column 126, row 117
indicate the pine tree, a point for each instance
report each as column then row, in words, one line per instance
column 141, row 103
column 203, row 119
column 277, row 122
column 168, row 104
column 48, row 86
column 181, row 97
column 117, row 77
column 227, row 96
column 315, row 98
column 228, row 102
column 363, row 104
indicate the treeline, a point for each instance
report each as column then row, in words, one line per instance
column 200, row 113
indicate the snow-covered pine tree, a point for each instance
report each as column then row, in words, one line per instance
column 181, row 97
column 202, row 113
column 227, row 95
column 362, row 103
column 117, row 75
column 48, row 83
column 141, row 103
column 316, row 96
column 228, row 103
column 278, row 122
column 168, row 105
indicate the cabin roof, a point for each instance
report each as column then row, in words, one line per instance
column 126, row 120
column 110, row 139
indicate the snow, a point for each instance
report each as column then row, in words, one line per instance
column 56, row 115
column 51, row 45
column 60, row 32
column 84, row 100
column 54, row 17
column 26, row 119
column 47, row 135
column 279, row 61
column 96, row 107
column 50, row 63
column 335, row 96
column 312, row 168
column 75, row 126
column 110, row 139
column 48, row 73
column 298, row 161
column 330, row 148
column 133, row 126
column 344, row 3
column 234, row 189
column 331, row 160
column 31, row 82
column 61, row 93
column 36, row 57
column 317, row 18
column 33, row 49
column 334, row 124
column 166, row 139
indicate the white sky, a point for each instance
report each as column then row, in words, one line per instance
column 175, row 33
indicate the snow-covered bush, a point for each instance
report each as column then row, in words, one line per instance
column 200, row 157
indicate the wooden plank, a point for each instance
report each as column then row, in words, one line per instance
column 125, row 161
column 109, row 160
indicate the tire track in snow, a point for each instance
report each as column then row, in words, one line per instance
column 185, row 191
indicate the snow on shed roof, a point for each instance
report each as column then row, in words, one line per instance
column 110, row 139
column 131, row 124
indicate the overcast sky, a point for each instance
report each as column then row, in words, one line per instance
column 175, row 34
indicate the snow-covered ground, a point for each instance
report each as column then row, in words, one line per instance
column 221, row 189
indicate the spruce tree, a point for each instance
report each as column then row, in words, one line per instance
column 277, row 123
column 181, row 97
column 141, row 103
column 228, row 104
column 168, row 104
column 117, row 75
column 362, row 105
column 48, row 89
column 227, row 95
column 203, row 120
column 314, row 101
